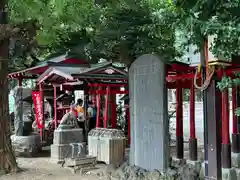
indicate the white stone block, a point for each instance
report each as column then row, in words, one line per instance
column 67, row 136
column 107, row 145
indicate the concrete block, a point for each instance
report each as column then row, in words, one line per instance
column 236, row 160
column 229, row 174
column 67, row 136
column 108, row 145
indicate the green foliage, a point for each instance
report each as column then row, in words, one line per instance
column 200, row 18
column 118, row 31
column 132, row 28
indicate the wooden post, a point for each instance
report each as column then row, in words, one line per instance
column 235, row 134
column 98, row 108
column 20, row 81
column 226, row 146
column 214, row 129
column 41, row 89
column 55, row 105
column 179, row 122
column 105, row 124
column 129, row 124
column 192, row 139
column 114, row 110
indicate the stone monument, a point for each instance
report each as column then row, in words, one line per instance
column 149, row 116
column 25, row 142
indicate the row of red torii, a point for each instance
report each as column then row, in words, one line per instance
column 97, row 84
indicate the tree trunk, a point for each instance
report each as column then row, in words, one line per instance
column 7, row 157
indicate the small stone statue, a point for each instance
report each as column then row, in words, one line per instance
column 69, row 119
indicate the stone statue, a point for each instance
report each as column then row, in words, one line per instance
column 69, row 119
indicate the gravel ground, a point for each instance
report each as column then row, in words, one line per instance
column 43, row 169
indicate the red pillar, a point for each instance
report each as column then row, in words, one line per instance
column 55, row 105
column 179, row 122
column 234, row 106
column 192, row 140
column 114, row 111
column 41, row 89
column 226, row 146
column 105, row 123
column 20, row 81
column 93, row 97
column 98, row 108
column 235, row 134
column 129, row 124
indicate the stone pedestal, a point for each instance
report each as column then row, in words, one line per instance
column 108, row 145
column 26, row 146
column 67, row 143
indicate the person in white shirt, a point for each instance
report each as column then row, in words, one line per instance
column 91, row 116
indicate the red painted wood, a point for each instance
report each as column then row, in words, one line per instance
column 55, row 105
column 41, row 89
column 98, row 108
column 105, row 85
column 192, row 112
column 234, row 106
column 75, row 61
column 105, row 92
column 179, row 112
column 225, row 115
column 105, row 123
column 20, row 81
column 129, row 124
column 114, row 112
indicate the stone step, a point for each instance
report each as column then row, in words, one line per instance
column 80, row 161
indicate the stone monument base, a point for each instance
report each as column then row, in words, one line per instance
column 26, row 146
column 61, row 151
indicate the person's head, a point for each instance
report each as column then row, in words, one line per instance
column 79, row 102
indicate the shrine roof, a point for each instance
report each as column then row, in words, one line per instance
column 72, row 73
column 59, row 73
column 44, row 65
column 107, row 69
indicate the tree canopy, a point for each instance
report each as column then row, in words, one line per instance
column 122, row 30
column 116, row 30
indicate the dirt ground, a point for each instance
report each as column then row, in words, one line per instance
column 40, row 168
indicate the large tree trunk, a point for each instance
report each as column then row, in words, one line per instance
column 7, row 157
